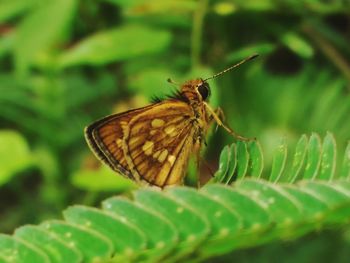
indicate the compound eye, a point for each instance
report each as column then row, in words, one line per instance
column 204, row 90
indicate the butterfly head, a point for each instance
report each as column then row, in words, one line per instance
column 203, row 90
column 197, row 89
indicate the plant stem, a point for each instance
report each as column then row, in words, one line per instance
column 328, row 49
column 196, row 37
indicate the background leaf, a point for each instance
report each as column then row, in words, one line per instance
column 220, row 219
column 34, row 37
column 14, row 155
column 116, row 45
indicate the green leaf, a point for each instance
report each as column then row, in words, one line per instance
column 192, row 227
column 283, row 207
column 127, row 239
column 313, row 157
column 224, row 8
column 345, row 171
column 223, row 221
column 117, row 44
column 186, row 224
column 14, row 249
column 297, row 44
column 242, row 159
column 162, row 235
column 11, row 8
column 3, row 259
column 328, row 158
column 313, row 207
column 279, row 161
column 91, row 244
column 334, row 197
column 143, row 7
column 231, row 165
column 6, row 44
column 299, row 158
column 57, row 250
column 278, row 202
column 14, row 155
column 124, row 4
column 223, row 165
column 39, row 31
column 256, row 164
column 254, row 216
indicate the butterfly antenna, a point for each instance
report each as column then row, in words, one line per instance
column 234, row 66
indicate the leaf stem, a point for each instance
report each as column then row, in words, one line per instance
column 196, row 37
column 328, row 49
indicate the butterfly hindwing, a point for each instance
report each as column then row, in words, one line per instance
column 150, row 144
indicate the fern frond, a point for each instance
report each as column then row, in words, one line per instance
column 248, row 208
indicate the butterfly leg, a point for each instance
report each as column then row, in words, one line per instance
column 220, row 114
column 215, row 115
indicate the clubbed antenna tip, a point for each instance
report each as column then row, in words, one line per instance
column 234, row 66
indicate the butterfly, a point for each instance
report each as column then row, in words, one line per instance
column 152, row 145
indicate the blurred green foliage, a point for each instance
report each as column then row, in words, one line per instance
column 66, row 63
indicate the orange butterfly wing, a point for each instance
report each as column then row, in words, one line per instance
column 151, row 144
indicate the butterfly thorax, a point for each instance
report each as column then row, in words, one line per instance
column 197, row 93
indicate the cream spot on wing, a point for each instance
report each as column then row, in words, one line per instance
column 156, row 154
column 163, row 155
column 170, row 130
column 123, row 123
column 153, row 132
column 125, row 127
column 171, row 159
column 119, row 142
column 148, row 147
column 156, row 123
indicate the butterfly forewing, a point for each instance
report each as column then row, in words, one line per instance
column 150, row 144
column 154, row 150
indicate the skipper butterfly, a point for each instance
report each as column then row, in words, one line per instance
column 152, row 145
